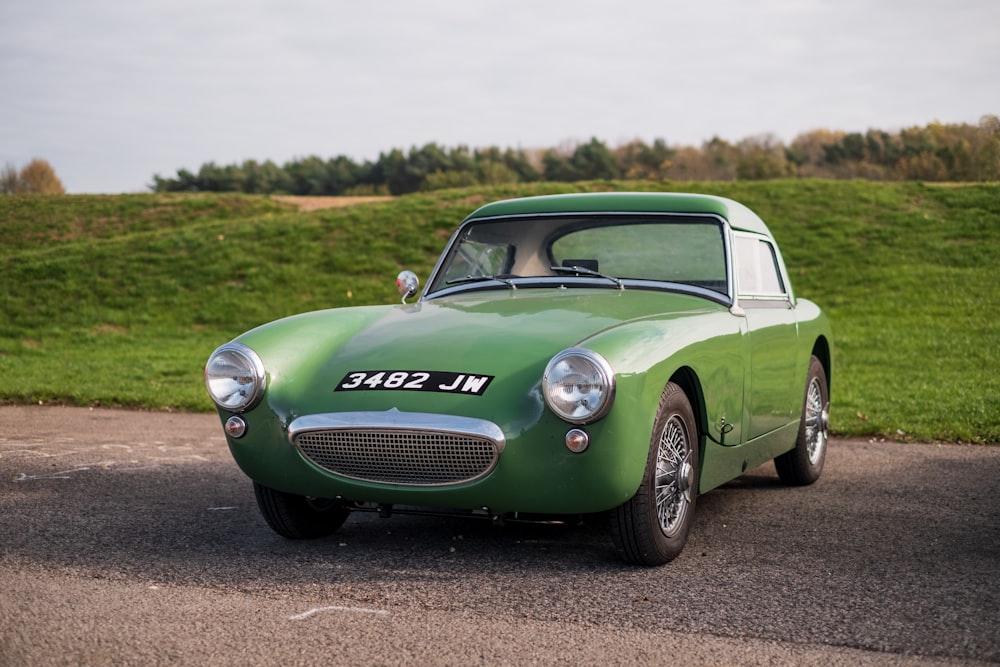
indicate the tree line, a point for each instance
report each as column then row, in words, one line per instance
column 935, row 152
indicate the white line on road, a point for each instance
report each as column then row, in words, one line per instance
column 64, row 474
column 359, row 610
column 32, row 452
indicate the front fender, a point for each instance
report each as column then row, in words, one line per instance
column 647, row 354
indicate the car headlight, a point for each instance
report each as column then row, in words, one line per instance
column 234, row 377
column 579, row 385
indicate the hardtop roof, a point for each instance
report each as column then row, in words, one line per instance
column 739, row 216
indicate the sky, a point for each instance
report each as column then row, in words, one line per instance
column 113, row 92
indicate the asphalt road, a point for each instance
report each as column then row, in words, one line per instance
column 132, row 538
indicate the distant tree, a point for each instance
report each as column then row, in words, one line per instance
column 393, row 170
column 185, row 182
column 917, row 140
column 557, row 167
column 807, row 151
column 429, row 159
column 690, row 164
column 723, row 157
column 213, row 178
column 924, row 166
column 461, row 160
column 37, row 176
column 309, row 176
column 636, row 160
column 853, row 145
column 987, row 149
column 344, row 174
column 441, row 180
column 265, row 178
column 521, row 164
column 881, row 148
column 483, row 167
column 405, row 173
column 495, row 173
column 533, row 157
column 762, row 157
column 957, row 159
column 594, row 160
column 8, row 179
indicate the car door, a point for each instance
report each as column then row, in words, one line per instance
column 768, row 305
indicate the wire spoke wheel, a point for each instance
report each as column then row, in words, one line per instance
column 673, row 476
column 803, row 464
column 816, row 421
column 652, row 526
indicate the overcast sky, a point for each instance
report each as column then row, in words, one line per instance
column 111, row 92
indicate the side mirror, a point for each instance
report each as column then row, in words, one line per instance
column 407, row 284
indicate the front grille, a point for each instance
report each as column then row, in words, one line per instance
column 394, row 456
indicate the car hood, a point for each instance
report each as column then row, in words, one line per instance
column 508, row 336
column 489, row 330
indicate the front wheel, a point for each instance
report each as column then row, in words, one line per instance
column 803, row 465
column 299, row 517
column 652, row 526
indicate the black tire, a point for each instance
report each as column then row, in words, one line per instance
column 802, row 466
column 651, row 528
column 299, row 517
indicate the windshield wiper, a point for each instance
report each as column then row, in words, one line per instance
column 587, row 272
column 480, row 278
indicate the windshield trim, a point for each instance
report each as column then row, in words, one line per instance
column 580, row 282
column 727, row 299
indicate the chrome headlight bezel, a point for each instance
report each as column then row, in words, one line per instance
column 235, row 378
column 570, row 370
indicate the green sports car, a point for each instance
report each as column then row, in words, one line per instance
column 568, row 355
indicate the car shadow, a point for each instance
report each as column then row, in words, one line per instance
column 180, row 522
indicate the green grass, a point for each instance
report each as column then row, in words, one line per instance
column 118, row 300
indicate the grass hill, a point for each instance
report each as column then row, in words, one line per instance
column 118, row 300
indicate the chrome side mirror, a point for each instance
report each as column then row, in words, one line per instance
column 407, row 284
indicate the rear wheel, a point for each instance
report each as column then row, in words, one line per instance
column 652, row 526
column 299, row 517
column 803, row 465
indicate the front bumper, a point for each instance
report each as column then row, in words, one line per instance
column 407, row 458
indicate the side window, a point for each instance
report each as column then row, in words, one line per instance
column 757, row 267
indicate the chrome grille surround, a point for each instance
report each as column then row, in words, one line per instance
column 405, row 448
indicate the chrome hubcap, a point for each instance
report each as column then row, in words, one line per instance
column 817, row 418
column 674, row 476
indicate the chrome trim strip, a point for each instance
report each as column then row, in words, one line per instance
column 398, row 421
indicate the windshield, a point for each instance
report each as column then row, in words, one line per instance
column 611, row 250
